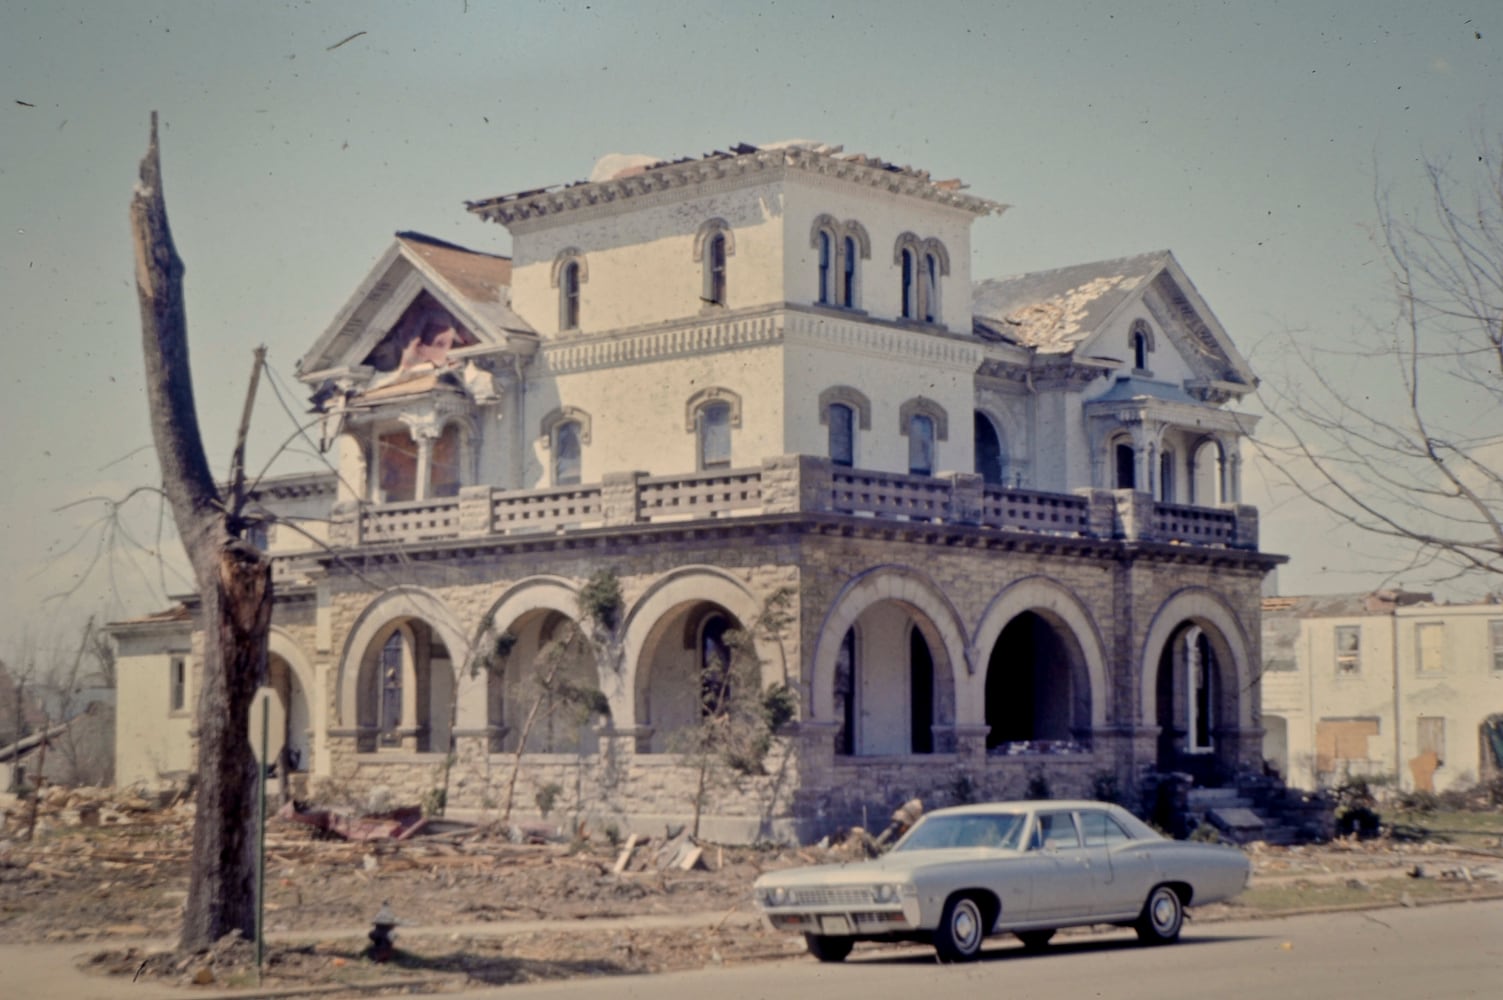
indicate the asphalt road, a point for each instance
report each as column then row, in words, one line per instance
column 1427, row 952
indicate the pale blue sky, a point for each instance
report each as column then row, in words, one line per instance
column 1245, row 137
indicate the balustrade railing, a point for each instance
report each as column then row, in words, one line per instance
column 795, row 484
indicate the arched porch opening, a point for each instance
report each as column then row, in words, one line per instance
column 539, row 692
column 1196, row 704
column 685, row 672
column 405, row 689
column 1038, row 689
column 892, row 684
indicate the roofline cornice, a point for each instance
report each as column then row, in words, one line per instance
column 517, row 210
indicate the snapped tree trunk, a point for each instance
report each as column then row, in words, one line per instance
column 233, row 579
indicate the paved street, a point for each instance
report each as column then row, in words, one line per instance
column 1454, row 950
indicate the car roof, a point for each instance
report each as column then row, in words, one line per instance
column 1022, row 805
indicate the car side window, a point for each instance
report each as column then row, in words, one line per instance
column 1056, row 830
column 1100, row 830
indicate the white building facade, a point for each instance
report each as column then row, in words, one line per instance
column 1382, row 685
column 1005, row 513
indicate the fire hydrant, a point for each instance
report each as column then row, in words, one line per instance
column 382, row 924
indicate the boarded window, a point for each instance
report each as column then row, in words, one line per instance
column 1339, row 742
column 1495, row 629
column 1431, row 640
column 1432, row 736
column 1348, row 649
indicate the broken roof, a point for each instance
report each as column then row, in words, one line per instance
column 636, row 178
column 1377, row 602
column 1053, row 311
column 472, row 286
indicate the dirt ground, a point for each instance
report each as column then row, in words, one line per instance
column 105, row 868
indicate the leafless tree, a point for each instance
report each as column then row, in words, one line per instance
column 232, row 576
column 1397, row 429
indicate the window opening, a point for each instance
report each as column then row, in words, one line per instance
column 848, row 274
column 392, row 656
column 1127, row 461
column 931, row 288
column 716, row 266
column 178, row 680
column 398, row 466
column 990, row 463
column 566, row 453
column 826, row 267
column 921, row 693
column 715, row 436
column 1432, row 737
column 569, row 292
column 444, row 465
column 714, row 667
column 842, row 420
column 1348, row 649
column 910, row 305
column 845, row 693
column 920, row 445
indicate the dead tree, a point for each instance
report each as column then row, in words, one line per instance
column 232, row 576
column 1412, row 454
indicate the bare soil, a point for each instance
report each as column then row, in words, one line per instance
column 474, row 907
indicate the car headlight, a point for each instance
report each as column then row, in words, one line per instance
column 888, row 892
column 776, row 896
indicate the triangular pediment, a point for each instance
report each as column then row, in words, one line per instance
column 423, row 296
column 1083, row 312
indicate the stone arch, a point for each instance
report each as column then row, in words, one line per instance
column 695, row 584
column 709, row 228
column 388, row 607
column 900, row 584
column 1227, row 636
column 1059, row 606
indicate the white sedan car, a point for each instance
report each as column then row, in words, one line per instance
column 1025, row 868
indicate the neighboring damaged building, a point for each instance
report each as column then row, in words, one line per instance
column 1007, row 515
column 1382, row 685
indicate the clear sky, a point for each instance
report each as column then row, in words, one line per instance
column 1246, row 137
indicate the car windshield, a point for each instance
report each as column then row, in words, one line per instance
column 966, row 830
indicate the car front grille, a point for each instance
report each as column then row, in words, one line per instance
column 849, row 896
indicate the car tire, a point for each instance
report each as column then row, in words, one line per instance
column 961, row 930
column 1035, row 940
column 1162, row 918
column 829, row 949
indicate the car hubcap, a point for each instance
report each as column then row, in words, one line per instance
column 965, row 925
column 1163, row 912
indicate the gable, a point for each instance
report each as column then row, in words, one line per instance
column 1087, row 311
column 418, row 290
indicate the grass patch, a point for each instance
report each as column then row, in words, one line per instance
column 1300, row 894
column 1482, row 831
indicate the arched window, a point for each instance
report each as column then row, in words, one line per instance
column 909, row 265
column 1166, row 476
column 826, row 267
column 1142, row 344
column 714, row 667
column 991, row 460
column 930, row 291
column 568, row 296
column 842, row 421
column 389, row 704
column 921, row 445
column 714, row 429
column 566, row 453
column 715, row 271
column 848, row 272
column 1126, row 466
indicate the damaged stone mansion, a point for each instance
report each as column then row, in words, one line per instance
column 1001, row 516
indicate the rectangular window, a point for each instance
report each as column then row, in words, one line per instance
column 177, row 674
column 1348, row 649
column 1495, row 629
column 1430, row 640
column 842, row 434
column 1432, row 737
